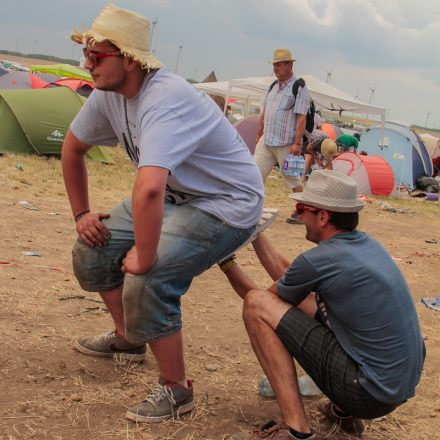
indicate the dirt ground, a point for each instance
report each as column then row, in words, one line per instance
column 50, row 391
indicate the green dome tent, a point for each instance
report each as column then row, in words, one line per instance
column 62, row 70
column 36, row 121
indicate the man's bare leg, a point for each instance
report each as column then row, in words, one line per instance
column 262, row 312
column 113, row 301
column 168, row 352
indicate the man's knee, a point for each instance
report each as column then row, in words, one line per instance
column 95, row 269
column 253, row 304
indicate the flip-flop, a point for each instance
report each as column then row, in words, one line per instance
column 433, row 304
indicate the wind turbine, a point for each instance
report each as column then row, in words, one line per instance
column 372, row 90
column 427, row 117
column 153, row 25
column 179, row 52
column 329, row 75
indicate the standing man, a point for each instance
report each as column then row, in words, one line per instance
column 282, row 122
column 342, row 310
column 197, row 196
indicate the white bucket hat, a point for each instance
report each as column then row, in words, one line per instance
column 330, row 190
column 127, row 30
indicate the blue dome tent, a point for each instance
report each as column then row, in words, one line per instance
column 402, row 149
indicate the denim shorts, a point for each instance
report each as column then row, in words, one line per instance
column 191, row 241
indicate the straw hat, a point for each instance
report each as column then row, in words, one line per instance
column 328, row 148
column 127, row 30
column 282, row 56
column 330, row 190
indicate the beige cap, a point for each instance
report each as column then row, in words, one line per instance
column 328, row 148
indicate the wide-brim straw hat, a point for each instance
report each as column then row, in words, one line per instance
column 330, row 190
column 127, row 30
column 282, row 56
column 328, row 148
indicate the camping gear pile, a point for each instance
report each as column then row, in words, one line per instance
column 37, row 107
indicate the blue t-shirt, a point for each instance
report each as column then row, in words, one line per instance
column 172, row 125
column 369, row 308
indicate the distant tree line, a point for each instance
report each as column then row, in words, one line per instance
column 40, row 56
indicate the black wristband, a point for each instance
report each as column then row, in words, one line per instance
column 81, row 214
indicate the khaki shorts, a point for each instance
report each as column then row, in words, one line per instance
column 266, row 157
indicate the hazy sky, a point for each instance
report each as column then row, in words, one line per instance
column 390, row 45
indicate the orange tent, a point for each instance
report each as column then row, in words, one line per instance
column 372, row 174
column 332, row 131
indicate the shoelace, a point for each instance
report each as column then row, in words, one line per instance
column 158, row 393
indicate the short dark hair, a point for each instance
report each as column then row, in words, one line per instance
column 344, row 221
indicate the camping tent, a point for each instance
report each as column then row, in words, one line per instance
column 21, row 80
column 81, row 86
column 35, row 121
column 62, row 70
column 247, row 128
column 372, row 174
column 402, row 149
column 332, row 131
column 432, row 144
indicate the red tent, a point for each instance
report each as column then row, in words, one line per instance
column 372, row 174
column 82, row 86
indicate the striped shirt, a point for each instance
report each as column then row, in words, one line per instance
column 280, row 109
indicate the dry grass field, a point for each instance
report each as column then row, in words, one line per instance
column 50, row 391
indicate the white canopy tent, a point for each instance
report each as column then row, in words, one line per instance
column 251, row 91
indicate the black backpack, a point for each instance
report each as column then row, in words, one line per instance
column 310, row 116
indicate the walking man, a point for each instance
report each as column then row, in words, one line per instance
column 342, row 310
column 282, row 121
column 197, row 196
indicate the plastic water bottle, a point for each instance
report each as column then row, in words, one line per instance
column 306, row 387
column 299, row 166
column 264, row 387
column 293, row 166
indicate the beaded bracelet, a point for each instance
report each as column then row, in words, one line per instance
column 225, row 265
column 81, row 214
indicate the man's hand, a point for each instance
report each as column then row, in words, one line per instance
column 131, row 263
column 91, row 230
column 295, row 149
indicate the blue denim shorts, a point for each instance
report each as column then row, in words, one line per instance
column 191, row 241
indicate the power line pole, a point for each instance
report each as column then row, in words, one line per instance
column 153, row 25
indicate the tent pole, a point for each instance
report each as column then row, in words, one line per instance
column 228, row 94
column 382, row 129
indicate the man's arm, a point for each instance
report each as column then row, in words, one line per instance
column 148, row 207
column 88, row 226
column 273, row 262
column 299, row 133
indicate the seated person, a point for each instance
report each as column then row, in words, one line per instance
column 342, row 310
column 321, row 150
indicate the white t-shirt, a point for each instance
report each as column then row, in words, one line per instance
column 172, row 125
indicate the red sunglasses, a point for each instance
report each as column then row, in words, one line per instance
column 94, row 57
column 300, row 208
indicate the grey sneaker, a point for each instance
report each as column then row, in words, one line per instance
column 109, row 344
column 166, row 401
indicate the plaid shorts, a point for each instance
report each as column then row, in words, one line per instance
column 315, row 347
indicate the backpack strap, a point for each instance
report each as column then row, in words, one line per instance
column 272, row 85
column 296, row 85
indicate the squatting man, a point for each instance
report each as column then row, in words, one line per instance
column 342, row 310
column 197, row 196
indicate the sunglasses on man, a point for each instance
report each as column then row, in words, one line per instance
column 94, row 57
column 300, row 208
